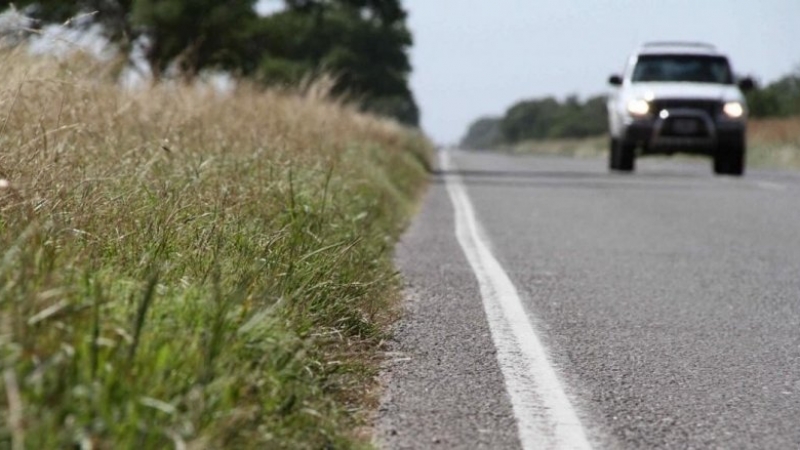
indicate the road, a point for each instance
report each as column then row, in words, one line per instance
column 666, row 304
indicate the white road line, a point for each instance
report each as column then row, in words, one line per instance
column 769, row 186
column 545, row 417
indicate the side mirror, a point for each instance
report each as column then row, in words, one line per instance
column 747, row 84
column 615, row 80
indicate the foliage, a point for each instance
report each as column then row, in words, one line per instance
column 529, row 119
column 195, row 34
column 778, row 99
column 111, row 14
column 484, row 133
column 363, row 43
column 549, row 118
column 189, row 270
column 189, row 34
column 545, row 118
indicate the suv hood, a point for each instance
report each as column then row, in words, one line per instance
column 707, row 91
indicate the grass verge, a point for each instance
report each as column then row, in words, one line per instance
column 774, row 143
column 590, row 147
column 180, row 268
column 771, row 143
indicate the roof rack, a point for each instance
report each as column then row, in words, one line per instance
column 679, row 44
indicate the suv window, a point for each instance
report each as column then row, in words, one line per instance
column 682, row 68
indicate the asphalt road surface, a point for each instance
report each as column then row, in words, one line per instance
column 654, row 310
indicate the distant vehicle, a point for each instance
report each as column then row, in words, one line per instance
column 678, row 97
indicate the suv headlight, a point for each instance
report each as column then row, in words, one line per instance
column 638, row 107
column 734, row 110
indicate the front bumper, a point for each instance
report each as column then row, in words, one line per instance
column 683, row 130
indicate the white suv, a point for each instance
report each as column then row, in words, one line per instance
column 678, row 97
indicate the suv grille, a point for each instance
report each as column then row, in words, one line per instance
column 712, row 107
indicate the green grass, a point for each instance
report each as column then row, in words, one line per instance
column 184, row 269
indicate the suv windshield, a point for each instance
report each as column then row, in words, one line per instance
column 683, row 68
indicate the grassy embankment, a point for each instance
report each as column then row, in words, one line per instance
column 182, row 269
column 774, row 143
column 771, row 143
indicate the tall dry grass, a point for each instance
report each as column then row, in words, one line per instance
column 589, row 147
column 774, row 142
column 182, row 268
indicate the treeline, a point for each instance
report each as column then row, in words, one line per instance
column 777, row 99
column 548, row 118
column 544, row 118
column 363, row 44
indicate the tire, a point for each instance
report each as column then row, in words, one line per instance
column 729, row 158
column 612, row 154
column 622, row 156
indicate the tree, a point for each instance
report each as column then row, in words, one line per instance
column 780, row 98
column 483, row 134
column 192, row 34
column 386, row 12
column 763, row 102
column 576, row 120
column 362, row 43
column 112, row 15
column 542, row 118
column 531, row 119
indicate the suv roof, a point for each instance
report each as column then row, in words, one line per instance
column 678, row 47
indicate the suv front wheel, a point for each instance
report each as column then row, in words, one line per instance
column 729, row 158
column 622, row 155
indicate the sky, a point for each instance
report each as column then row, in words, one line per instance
column 475, row 58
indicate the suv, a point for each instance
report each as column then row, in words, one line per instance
column 678, row 97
